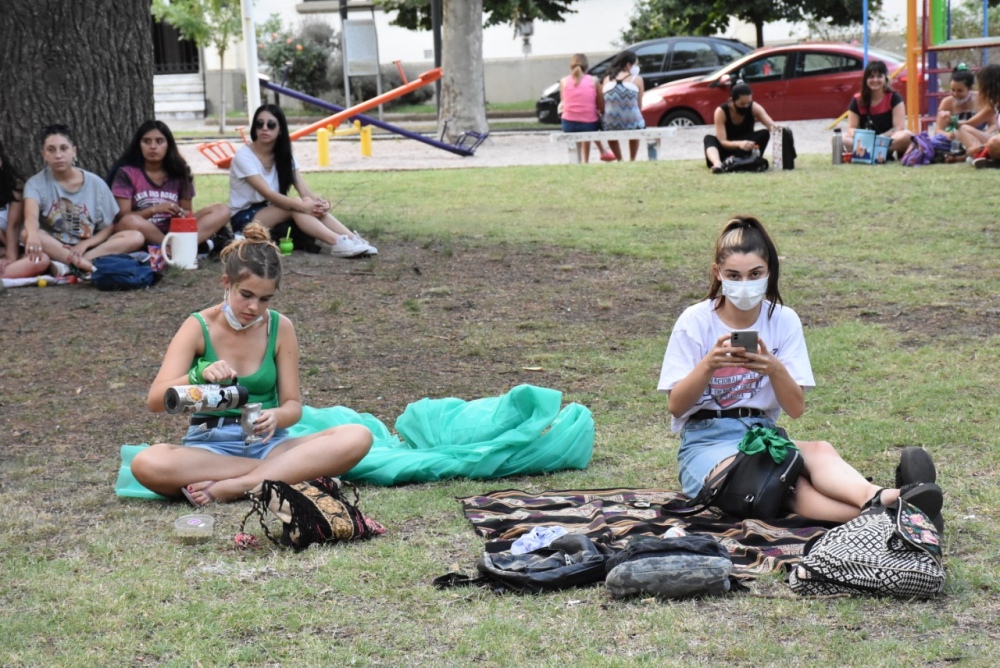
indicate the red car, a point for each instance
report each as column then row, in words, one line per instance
column 792, row 83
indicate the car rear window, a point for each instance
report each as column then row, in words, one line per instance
column 812, row 64
column 693, row 55
column 651, row 57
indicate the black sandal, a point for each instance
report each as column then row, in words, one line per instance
column 875, row 502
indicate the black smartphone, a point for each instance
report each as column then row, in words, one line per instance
column 744, row 338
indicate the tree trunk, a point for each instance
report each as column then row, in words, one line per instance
column 463, row 93
column 222, row 91
column 759, row 25
column 88, row 65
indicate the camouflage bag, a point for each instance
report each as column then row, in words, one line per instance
column 670, row 568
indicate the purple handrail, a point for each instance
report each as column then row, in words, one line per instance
column 365, row 120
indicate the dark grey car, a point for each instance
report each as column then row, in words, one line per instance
column 660, row 61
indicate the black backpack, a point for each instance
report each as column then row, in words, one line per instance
column 788, row 153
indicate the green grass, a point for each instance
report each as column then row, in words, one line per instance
column 894, row 272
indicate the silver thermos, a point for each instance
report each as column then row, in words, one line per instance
column 837, row 152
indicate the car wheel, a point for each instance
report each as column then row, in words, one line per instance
column 680, row 119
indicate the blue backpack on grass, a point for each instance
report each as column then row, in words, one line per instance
column 121, row 272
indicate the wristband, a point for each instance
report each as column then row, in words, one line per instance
column 195, row 376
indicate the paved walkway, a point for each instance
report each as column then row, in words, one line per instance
column 502, row 149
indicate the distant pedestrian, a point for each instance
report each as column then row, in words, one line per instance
column 582, row 103
column 623, row 89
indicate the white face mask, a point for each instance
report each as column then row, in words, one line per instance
column 233, row 321
column 634, row 71
column 744, row 295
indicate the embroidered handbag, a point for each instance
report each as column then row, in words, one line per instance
column 757, row 483
column 315, row 511
column 895, row 551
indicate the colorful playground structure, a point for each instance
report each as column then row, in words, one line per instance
column 925, row 39
column 221, row 152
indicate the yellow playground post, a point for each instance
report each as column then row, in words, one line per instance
column 323, row 147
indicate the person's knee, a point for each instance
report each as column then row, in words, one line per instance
column 993, row 145
column 817, row 449
column 148, row 463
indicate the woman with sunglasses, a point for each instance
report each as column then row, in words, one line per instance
column 152, row 184
column 260, row 177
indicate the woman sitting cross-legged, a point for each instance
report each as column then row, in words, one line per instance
column 878, row 107
column 241, row 338
column 260, row 177
column 68, row 212
column 152, row 184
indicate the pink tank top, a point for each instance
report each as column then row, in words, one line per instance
column 579, row 100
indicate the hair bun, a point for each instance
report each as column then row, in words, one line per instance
column 256, row 232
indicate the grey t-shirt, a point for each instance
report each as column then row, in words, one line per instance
column 68, row 216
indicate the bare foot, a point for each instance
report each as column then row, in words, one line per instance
column 198, row 493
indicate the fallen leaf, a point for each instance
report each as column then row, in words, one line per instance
column 532, row 368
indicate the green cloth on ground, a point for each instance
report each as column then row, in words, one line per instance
column 522, row 432
column 759, row 439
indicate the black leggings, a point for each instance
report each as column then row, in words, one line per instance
column 760, row 137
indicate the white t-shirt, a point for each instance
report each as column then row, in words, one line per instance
column 3, row 217
column 696, row 332
column 246, row 163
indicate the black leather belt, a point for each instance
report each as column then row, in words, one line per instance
column 728, row 413
column 214, row 421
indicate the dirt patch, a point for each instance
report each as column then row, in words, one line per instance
column 418, row 321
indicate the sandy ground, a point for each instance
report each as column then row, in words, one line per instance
column 502, row 149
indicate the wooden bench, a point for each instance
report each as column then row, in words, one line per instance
column 575, row 140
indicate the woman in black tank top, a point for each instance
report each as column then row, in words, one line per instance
column 734, row 134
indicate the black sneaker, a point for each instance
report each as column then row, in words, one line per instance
column 915, row 465
column 986, row 163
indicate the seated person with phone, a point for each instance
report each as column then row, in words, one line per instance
column 736, row 360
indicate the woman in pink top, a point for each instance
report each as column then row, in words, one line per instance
column 582, row 103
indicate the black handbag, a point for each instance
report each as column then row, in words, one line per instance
column 757, row 483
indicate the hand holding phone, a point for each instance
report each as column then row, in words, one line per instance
column 744, row 338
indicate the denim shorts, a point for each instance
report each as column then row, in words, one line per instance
column 706, row 443
column 228, row 440
column 245, row 216
column 580, row 126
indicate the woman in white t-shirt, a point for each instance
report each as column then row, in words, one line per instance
column 718, row 391
column 260, row 177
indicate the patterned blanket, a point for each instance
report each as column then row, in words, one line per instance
column 613, row 516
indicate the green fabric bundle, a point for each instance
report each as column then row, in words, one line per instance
column 525, row 431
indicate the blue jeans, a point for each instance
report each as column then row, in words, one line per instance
column 228, row 440
column 706, row 443
column 577, row 126
column 244, row 217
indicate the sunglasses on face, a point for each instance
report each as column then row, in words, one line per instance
column 270, row 125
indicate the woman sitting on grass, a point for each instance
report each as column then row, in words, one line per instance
column 878, row 107
column 260, row 177
column 734, row 134
column 68, row 212
column 11, row 216
column 241, row 338
column 152, row 184
column 983, row 146
column 718, row 391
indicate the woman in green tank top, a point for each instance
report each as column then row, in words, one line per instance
column 241, row 338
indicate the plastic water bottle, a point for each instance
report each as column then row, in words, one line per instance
column 956, row 146
column 837, row 152
column 651, row 151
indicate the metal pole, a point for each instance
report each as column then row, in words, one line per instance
column 250, row 44
column 864, row 21
column 436, row 20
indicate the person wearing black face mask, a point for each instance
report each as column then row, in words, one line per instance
column 735, row 136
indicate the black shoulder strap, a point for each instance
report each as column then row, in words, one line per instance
column 709, row 492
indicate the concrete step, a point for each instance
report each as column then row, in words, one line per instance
column 179, row 105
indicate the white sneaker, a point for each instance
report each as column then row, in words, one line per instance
column 348, row 247
column 58, row 269
column 371, row 249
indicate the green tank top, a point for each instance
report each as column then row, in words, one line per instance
column 262, row 384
